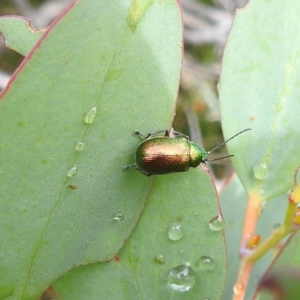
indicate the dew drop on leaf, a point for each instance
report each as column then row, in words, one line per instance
column 160, row 259
column 118, row 216
column 206, row 263
column 72, row 172
column 260, row 171
column 175, row 232
column 263, row 206
column 79, row 146
column 182, row 277
column 91, row 115
column 217, row 223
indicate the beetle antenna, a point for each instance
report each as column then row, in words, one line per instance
column 220, row 158
column 217, row 147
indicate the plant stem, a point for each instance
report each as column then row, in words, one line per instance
column 285, row 229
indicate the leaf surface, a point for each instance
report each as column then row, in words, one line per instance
column 59, row 197
column 260, row 89
column 138, row 271
column 19, row 34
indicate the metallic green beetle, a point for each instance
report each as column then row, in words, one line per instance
column 164, row 154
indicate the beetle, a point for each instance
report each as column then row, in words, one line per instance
column 159, row 155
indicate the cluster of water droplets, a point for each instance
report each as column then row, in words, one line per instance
column 88, row 119
column 182, row 277
column 175, row 231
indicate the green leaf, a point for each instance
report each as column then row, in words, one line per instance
column 260, row 89
column 91, row 58
column 187, row 199
column 19, row 34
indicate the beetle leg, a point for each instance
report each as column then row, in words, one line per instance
column 176, row 133
column 166, row 132
column 145, row 173
column 129, row 167
column 140, row 134
column 151, row 134
column 134, row 166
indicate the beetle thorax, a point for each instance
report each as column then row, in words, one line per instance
column 197, row 155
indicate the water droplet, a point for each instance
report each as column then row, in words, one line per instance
column 275, row 226
column 238, row 288
column 118, row 216
column 182, row 278
column 91, row 115
column 260, row 171
column 72, row 172
column 206, row 298
column 160, row 259
column 181, row 251
column 217, row 223
column 263, row 206
column 262, row 192
column 175, row 232
column 196, row 213
column 79, row 146
column 206, row 263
